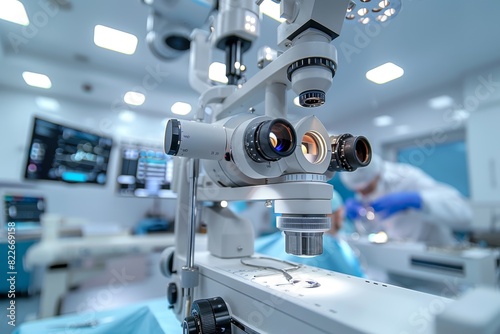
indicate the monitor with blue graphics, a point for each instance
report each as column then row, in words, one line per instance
column 61, row 153
column 145, row 171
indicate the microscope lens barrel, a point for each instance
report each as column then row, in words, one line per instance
column 194, row 140
column 304, row 244
column 303, row 234
column 270, row 140
column 349, row 152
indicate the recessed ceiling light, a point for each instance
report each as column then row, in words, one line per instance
column 134, row 98
column 296, row 101
column 441, row 102
column 181, row 108
column 47, row 103
column 217, row 72
column 383, row 120
column 384, row 73
column 126, row 116
column 402, row 129
column 271, row 9
column 115, row 40
column 13, row 11
column 460, row 115
column 37, row 80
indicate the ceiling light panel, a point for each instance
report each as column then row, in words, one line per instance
column 134, row 98
column 441, row 102
column 13, row 11
column 271, row 9
column 115, row 40
column 217, row 72
column 402, row 129
column 37, row 80
column 126, row 116
column 47, row 103
column 385, row 73
column 181, row 108
column 383, row 120
column 296, row 101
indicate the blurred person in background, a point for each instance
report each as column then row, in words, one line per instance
column 337, row 254
column 406, row 203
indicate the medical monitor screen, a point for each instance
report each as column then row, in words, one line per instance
column 145, row 171
column 62, row 153
column 24, row 211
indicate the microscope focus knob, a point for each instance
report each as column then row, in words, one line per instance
column 208, row 316
column 172, row 293
column 167, row 262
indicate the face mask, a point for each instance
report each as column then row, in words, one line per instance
column 380, row 190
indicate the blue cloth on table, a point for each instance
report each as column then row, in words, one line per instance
column 337, row 254
column 150, row 317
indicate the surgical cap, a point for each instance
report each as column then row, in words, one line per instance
column 362, row 177
column 336, row 201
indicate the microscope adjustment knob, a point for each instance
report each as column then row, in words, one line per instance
column 172, row 293
column 189, row 326
column 312, row 98
column 208, row 316
column 173, row 133
column 313, row 61
column 167, row 262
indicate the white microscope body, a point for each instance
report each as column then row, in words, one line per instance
column 250, row 154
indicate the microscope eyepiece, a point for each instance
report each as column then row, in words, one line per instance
column 270, row 140
column 349, row 153
column 208, row 316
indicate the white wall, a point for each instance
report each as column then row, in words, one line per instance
column 482, row 99
column 98, row 204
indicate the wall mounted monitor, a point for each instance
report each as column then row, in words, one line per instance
column 145, row 171
column 25, row 210
column 62, row 153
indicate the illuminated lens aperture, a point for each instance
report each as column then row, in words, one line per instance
column 271, row 140
column 313, row 147
column 281, row 137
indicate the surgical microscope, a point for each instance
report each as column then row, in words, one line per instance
column 250, row 149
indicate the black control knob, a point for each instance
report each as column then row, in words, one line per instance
column 172, row 293
column 172, row 137
column 208, row 316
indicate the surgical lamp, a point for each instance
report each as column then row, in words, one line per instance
column 370, row 11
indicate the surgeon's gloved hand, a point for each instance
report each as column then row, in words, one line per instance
column 352, row 208
column 396, row 202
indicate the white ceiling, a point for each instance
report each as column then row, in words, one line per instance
column 437, row 42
